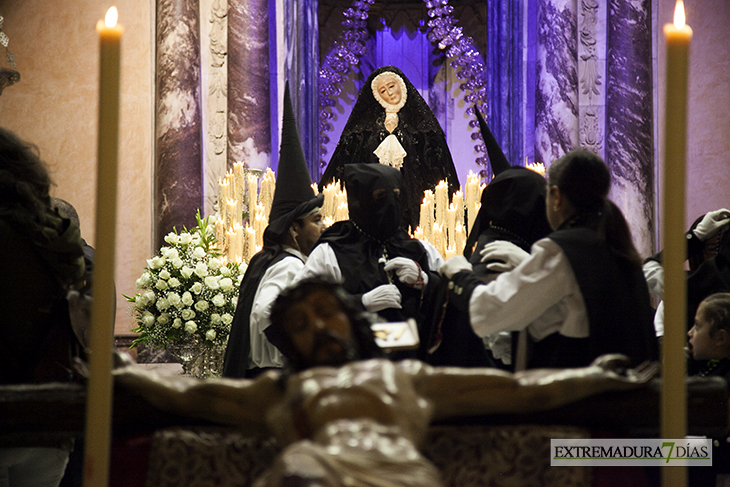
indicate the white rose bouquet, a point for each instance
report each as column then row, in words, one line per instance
column 188, row 293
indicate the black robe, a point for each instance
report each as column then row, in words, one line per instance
column 359, row 260
column 513, row 210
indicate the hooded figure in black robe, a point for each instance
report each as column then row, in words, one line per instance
column 427, row 159
column 512, row 205
column 293, row 199
column 359, row 250
column 512, row 209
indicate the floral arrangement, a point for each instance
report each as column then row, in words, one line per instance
column 187, row 294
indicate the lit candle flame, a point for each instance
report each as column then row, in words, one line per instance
column 111, row 17
column 679, row 15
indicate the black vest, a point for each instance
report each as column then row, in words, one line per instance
column 620, row 316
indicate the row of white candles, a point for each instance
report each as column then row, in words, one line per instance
column 443, row 223
column 442, row 220
column 239, row 240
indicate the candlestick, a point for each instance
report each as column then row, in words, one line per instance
column 231, row 238
column 460, row 238
column 423, row 214
column 342, row 213
column 250, row 243
column 428, row 199
column 253, row 182
column 438, row 238
column 442, row 201
column 222, row 197
column 220, row 235
column 472, row 183
column 458, row 200
column 232, row 213
column 451, row 226
column 238, row 238
column 328, row 206
column 266, row 195
column 674, row 391
column 260, row 224
column 99, row 390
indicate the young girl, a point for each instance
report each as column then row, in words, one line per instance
column 709, row 338
column 709, row 342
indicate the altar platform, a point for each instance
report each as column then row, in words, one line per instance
column 154, row 448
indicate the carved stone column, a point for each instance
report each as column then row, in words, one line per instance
column 214, row 82
column 249, row 123
column 556, row 94
column 178, row 159
column 301, row 28
column 629, row 115
column 504, row 79
column 592, row 75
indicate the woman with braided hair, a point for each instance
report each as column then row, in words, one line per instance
column 580, row 292
column 42, row 261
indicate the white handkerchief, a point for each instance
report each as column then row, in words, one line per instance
column 390, row 152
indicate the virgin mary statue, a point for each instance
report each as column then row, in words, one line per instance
column 392, row 124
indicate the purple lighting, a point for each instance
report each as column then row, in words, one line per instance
column 442, row 31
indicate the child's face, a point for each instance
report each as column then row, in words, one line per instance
column 702, row 346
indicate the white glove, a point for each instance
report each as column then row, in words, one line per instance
column 508, row 253
column 408, row 272
column 654, row 275
column 712, row 223
column 501, row 346
column 454, row 265
column 382, row 297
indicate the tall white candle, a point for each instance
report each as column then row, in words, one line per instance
column 99, row 392
column 674, row 391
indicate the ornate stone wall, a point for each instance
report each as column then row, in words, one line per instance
column 214, row 84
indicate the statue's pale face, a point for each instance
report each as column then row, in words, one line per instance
column 389, row 89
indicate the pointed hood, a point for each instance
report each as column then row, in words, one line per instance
column 513, row 202
column 293, row 196
column 497, row 159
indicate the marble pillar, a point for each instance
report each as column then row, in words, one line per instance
column 505, row 76
column 629, row 115
column 556, row 93
column 301, row 23
column 178, row 153
column 249, row 122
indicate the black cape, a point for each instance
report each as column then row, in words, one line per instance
column 238, row 350
column 372, row 236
